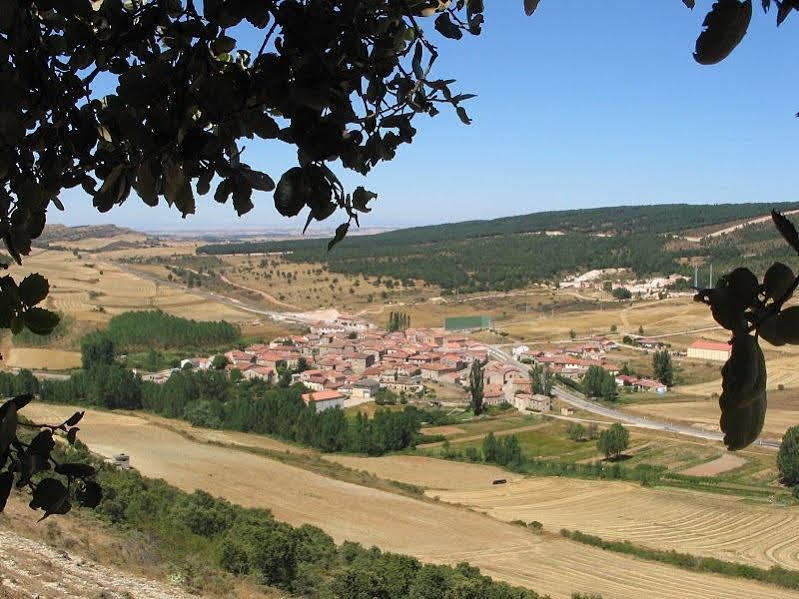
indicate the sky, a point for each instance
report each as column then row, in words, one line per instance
column 584, row 104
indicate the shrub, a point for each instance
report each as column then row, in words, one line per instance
column 788, row 457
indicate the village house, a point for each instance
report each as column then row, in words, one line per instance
column 324, row 400
column 259, row 372
column 435, row 371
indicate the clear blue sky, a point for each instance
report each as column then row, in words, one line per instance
column 584, row 104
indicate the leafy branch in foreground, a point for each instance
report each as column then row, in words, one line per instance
column 743, row 305
column 23, row 462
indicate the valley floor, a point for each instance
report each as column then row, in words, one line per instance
column 439, row 532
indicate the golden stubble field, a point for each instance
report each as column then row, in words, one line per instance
column 432, row 531
column 92, row 288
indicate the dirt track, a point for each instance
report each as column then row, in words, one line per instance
column 430, row 531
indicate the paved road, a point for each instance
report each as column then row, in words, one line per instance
column 576, row 400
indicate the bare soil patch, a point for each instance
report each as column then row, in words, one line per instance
column 443, row 430
column 724, row 463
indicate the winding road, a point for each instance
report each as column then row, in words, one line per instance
column 574, row 399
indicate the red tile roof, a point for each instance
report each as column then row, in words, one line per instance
column 321, row 396
column 701, row 344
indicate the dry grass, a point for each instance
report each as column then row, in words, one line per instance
column 704, row 413
column 430, row 531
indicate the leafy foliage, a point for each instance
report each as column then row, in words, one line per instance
column 788, row 457
column 26, row 462
column 152, row 329
column 744, row 306
column 476, row 382
column 662, row 367
column 398, row 321
column 614, row 440
column 597, row 382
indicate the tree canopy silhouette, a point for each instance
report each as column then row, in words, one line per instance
column 338, row 80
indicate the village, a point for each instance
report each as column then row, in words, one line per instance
column 347, row 361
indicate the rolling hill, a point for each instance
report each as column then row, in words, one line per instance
column 513, row 252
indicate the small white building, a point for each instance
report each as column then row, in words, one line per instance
column 324, row 400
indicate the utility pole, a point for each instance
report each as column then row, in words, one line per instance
column 696, row 276
column 711, row 276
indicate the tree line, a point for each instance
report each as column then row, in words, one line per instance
column 398, row 321
column 154, row 329
column 217, row 399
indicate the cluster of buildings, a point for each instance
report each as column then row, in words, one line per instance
column 347, row 361
column 573, row 361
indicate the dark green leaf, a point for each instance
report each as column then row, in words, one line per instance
column 223, row 45
column 8, row 425
column 146, row 184
column 289, row 193
column 76, row 470
column 360, row 199
column 447, row 28
column 463, row 116
column 416, row 63
column 40, row 321
column 6, row 482
column 786, row 229
column 33, row 289
column 257, row 179
column 90, row 495
column 74, row 419
column 341, row 233
column 530, row 6
column 49, row 495
column 223, row 191
column 177, row 189
column 242, row 194
column 726, row 25
column 42, row 444
column 72, row 435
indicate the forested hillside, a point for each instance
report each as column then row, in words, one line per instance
column 513, row 252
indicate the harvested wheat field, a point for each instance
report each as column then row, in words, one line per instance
column 706, row 413
column 39, row 358
column 656, row 317
column 699, row 523
column 431, row 473
column 430, row 531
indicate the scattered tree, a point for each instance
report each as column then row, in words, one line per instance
column 219, row 362
column 613, row 441
column 662, row 367
column 597, row 382
column 476, row 387
column 621, row 293
column 788, row 457
column 576, row 431
column 398, row 321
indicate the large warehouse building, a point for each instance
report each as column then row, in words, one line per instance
column 709, row 350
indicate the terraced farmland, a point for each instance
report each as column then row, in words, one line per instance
column 431, row 531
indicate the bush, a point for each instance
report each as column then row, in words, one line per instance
column 788, row 457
